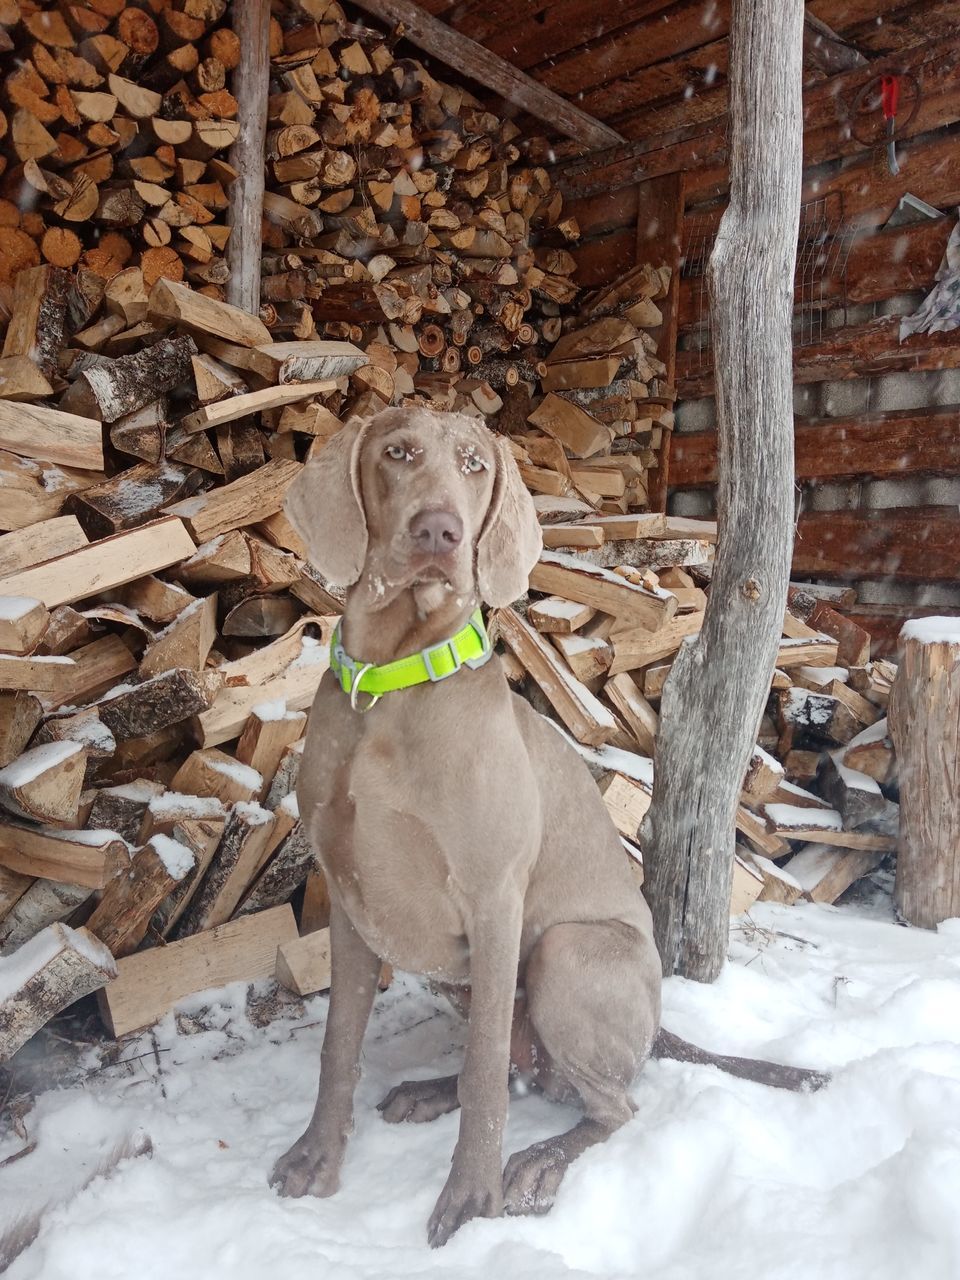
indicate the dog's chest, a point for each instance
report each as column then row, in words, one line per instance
column 373, row 829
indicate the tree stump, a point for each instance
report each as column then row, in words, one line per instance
column 924, row 719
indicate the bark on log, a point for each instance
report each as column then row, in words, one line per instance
column 925, row 726
column 724, row 675
column 59, row 967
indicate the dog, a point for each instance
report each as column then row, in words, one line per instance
column 463, row 839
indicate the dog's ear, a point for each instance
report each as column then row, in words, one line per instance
column 510, row 541
column 325, row 506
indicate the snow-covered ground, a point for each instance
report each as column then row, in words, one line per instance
column 713, row 1179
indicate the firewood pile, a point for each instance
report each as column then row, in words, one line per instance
column 161, row 632
column 113, row 132
column 594, row 646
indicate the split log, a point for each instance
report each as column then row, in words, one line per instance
column 56, row 968
column 114, row 389
column 159, row 701
column 33, row 431
column 149, row 984
column 90, row 858
column 40, row 904
column 23, row 623
column 44, row 784
column 123, row 913
column 186, row 642
column 234, row 865
column 587, row 718
column 110, row 563
column 269, row 730
column 303, row 965
column 286, row 871
column 210, row 772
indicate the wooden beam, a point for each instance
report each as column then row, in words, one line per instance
column 900, row 443
column 858, row 351
column 696, row 145
column 251, row 88
column 910, row 544
column 879, row 266
column 490, row 70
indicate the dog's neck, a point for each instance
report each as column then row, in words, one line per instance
column 413, row 620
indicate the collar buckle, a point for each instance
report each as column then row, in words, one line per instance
column 427, row 656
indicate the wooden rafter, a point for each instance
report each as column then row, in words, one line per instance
column 475, row 62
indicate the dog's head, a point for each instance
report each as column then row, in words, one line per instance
column 411, row 497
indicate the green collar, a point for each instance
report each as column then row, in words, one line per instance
column 470, row 647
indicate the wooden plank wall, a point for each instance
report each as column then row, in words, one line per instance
column 908, row 548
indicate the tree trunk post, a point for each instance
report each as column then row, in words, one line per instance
column 714, row 698
column 924, row 719
column 251, row 23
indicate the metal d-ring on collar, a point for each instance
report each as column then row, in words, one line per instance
column 355, row 689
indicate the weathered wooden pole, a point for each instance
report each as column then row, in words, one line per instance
column 715, row 696
column 251, row 87
column 924, row 718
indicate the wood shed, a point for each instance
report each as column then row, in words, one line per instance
column 227, row 229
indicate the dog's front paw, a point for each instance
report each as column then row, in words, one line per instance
column 306, row 1171
column 465, row 1196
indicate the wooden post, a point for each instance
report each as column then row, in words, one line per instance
column 924, row 720
column 251, row 87
column 659, row 232
column 714, row 698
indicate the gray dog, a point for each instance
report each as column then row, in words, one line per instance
column 462, row 838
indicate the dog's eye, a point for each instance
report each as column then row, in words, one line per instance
column 398, row 453
column 473, row 464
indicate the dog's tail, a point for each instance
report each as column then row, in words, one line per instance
column 774, row 1074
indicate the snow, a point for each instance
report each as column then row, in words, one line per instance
column 94, row 836
column 26, row 768
column 312, row 653
column 637, row 767
column 791, row 816
column 873, row 733
column 142, row 790
column 255, row 814
column 239, row 773
column 176, row 857
column 713, row 1177
column 556, row 607
column 289, row 806
column 824, row 675
column 275, row 710
column 14, row 607
column 932, row 630
column 853, row 777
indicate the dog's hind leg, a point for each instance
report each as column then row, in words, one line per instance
column 593, row 998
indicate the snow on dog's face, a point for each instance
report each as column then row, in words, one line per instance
column 418, row 500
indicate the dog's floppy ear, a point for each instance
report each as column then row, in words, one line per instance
column 325, row 507
column 510, row 541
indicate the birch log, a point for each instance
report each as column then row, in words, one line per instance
column 714, row 698
column 251, row 87
column 925, row 727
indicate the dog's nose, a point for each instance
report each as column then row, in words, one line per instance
column 437, row 531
